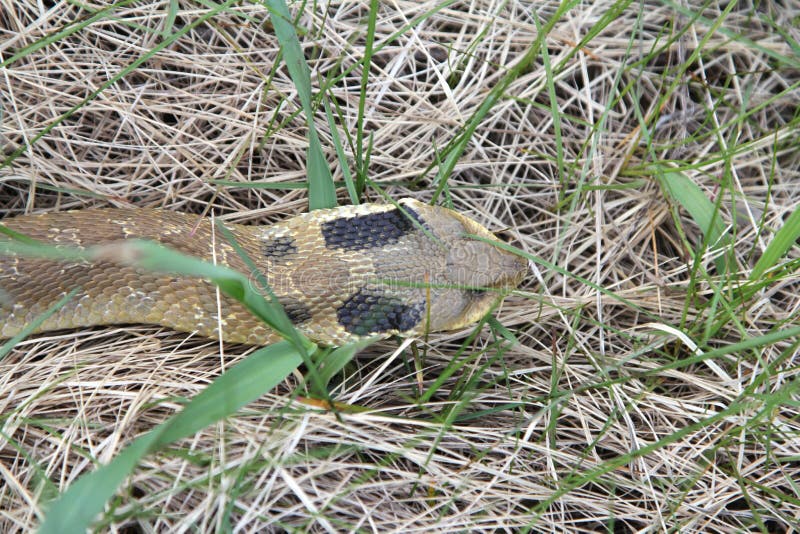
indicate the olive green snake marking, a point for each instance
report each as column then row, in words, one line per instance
column 341, row 274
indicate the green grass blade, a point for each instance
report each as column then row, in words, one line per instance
column 337, row 144
column 33, row 325
column 75, row 509
column 362, row 97
column 22, row 238
column 554, row 111
column 321, row 192
column 704, row 212
column 172, row 15
column 785, row 238
column 689, row 195
column 242, row 384
column 338, row 358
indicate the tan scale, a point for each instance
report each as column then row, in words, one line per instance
column 337, row 287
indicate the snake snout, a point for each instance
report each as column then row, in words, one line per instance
column 515, row 268
column 478, row 264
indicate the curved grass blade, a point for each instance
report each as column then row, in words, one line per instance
column 33, row 325
column 785, row 238
column 321, row 192
column 334, row 361
column 75, row 509
column 366, row 60
column 704, row 212
column 152, row 256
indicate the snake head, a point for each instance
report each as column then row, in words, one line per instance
column 475, row 269
column 473, row 259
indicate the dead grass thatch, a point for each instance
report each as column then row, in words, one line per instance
column 603, row 416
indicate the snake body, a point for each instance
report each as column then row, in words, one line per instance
column 340, row 274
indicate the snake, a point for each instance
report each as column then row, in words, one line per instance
column 341, row 274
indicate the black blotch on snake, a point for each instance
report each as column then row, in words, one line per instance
column 279, row 249
column 371, row 311
column 298, row 312
column 372, row 230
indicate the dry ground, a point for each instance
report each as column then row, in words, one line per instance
column 598, row 408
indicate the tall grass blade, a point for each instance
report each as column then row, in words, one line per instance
column 321, row 192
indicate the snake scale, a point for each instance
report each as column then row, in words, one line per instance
column 341, row 274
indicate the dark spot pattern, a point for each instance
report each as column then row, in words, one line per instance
column 373, row 230
column 278, row 249
column 298, row 312
column 373, row 312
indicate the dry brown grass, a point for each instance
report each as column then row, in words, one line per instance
column 579, row 426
